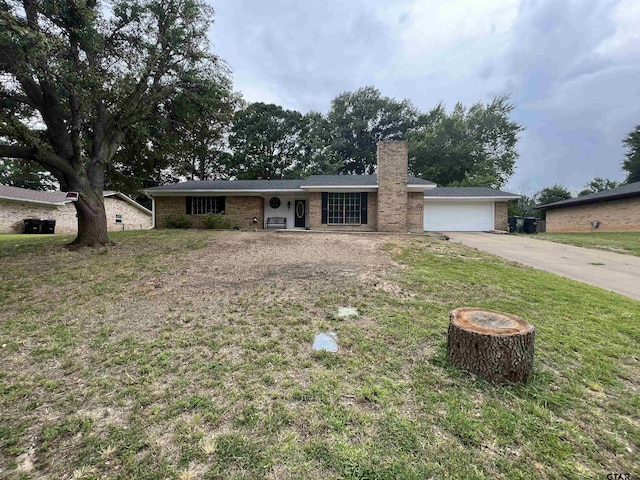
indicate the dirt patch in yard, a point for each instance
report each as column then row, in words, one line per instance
column 237, row 261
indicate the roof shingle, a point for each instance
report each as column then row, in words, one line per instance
column 467, row 192
column 16, row 193
column 623, row 191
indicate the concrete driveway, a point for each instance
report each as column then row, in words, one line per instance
column 612, row 271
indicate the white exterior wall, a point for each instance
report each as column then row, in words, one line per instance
column 286, row 209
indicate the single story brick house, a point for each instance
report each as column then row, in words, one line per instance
column 17, row 204
column 615, row 210
column 391, row 201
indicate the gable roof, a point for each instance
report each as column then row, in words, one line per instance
column 257, row 186
column 469, row 192
column 629, row 190
column 32, row 196
column 229, row 185
column 40, row 197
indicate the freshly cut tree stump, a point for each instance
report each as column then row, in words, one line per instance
column 495, row 346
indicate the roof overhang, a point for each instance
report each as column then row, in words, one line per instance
column 130, row 201
column 340, row 188
column 33, row 202
column 210, row 192
column 578, row 201
column 470, row 199
column 412, row 187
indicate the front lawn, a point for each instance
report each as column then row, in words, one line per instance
column 618, row 242
column 186, row 354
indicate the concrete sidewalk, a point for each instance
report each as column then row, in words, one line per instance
column 612, row 271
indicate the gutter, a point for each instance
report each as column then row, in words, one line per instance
column 36, row 202
column 426, row 197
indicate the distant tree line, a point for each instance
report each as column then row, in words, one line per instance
column 211, row 133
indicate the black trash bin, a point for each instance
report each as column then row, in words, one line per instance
column 32, row 225
column 48, row 226
column 530, row 224
column 513, row 224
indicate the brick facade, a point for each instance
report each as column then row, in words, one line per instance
column 12, row 214
column 614, row 216
column 240, row 210
column 315, row 215
column 415, row 212
column 501, row 216
column 392, row 186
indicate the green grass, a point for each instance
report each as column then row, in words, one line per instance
column 618, row 242
column 112, row 367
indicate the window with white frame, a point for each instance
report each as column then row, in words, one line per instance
column 118, row 218
column 344, row 208
column 202, row 205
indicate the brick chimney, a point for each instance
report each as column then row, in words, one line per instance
column 393, row 164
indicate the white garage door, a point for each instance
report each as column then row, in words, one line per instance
column 467, row 216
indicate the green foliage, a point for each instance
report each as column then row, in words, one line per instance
column 359, row 120
column 79, row 77
column 598, row 184
column 473, row 146
column 186, row 138
column 523, row 207
column 23, row 174
column 632, row 163
column 554, row 193
column 178, row 221
column 216, row 221
column 267, row 141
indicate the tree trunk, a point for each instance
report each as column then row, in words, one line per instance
column 495, row 346
column 92, row 221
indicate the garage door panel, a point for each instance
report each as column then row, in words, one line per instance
column 458, row 216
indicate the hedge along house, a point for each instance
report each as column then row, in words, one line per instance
column 615, row 210
column 17, row 204
column 391, row 201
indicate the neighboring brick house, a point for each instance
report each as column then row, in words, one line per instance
column 391, row 201
column 17, row 204
column 615, row 210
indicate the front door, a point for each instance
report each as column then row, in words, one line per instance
column 300, row 213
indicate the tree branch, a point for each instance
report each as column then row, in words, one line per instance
column 16, row 151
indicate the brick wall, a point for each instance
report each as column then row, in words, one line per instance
column 315, row 214
column 240, row 211
column 132, row 217
column 415, row 212
column 392, row 186
column 500, row 216
column 613, row 215
column 12, row 214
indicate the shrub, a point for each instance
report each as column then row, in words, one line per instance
column 216, row 221
column 178, row 221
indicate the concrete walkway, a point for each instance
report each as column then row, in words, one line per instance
column 612, row 271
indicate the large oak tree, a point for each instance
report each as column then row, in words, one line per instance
column 77, row 76
column 359, row 120
column 474, row 146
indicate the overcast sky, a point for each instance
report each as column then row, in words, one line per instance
column 572, row 67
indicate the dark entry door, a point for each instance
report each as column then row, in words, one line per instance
column 300, row 213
